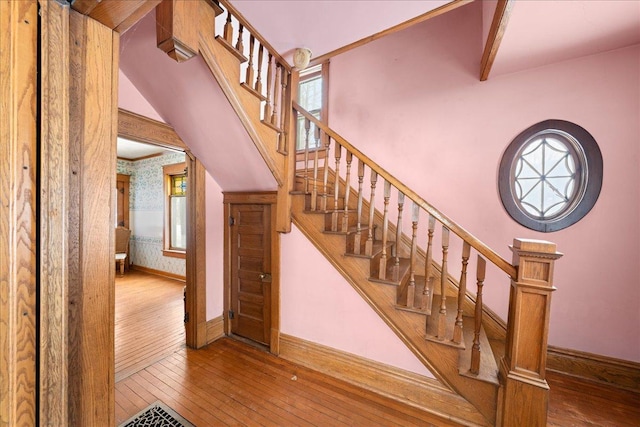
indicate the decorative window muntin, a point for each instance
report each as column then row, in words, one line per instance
column 550, row 175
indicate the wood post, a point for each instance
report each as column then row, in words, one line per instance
column 175, row 32
column 524, row 394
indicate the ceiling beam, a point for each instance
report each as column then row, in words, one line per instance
column 119, row 15
column 498, row 27
column 428, row 15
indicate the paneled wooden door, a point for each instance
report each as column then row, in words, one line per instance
column 250, row 251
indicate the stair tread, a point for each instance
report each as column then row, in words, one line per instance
column 402, row 266
column 376, row 249
column 432, row 321
column 418, row 306
column 488, row 366
column 232, row 49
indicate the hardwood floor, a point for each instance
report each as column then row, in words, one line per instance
column 148, row 321
column 232, row 383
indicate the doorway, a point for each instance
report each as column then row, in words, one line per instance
column 252, row 295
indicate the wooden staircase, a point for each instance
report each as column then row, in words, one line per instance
column 387, row 255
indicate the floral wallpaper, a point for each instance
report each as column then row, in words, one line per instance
column 146, row 211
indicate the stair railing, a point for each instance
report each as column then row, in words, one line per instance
column 263, row 71
column 531, row 272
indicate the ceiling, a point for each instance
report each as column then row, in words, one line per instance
column 537, row 33
column 131, row 150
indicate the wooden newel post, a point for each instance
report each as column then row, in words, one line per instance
column 524, row 393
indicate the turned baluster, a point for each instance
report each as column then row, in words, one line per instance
column 428, row 266
column 368, row 247
column 345, row 218
column 228, row 30
column 325, row 182
column 357, row 238
column 282, row 137
column 249, row 75
column 314, row 193
column 267, row 104
column 442, row 317
column 382, row 270
column 462, row 293
column 307, row 126
column 239, row 44
column 276, row 86
column 475, row 349
column 258, row 86
column 411, row 289
column 396, row 268
column 336, row 189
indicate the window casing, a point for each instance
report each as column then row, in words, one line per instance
column 550, row 175
column 175, row 229
column 312, row 96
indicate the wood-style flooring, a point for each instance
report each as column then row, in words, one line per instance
column 232, row 383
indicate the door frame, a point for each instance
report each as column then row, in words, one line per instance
column 143, row 129
column 254, row 198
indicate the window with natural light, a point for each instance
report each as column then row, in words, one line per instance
column 175, row 230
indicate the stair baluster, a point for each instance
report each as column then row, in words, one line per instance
column 347, row 191
column 314, row 193
column 336, row 189
column 368, row 248
column 228, row 30
column 282, row 136
column 357, row 238
column 267, row 105
column 396, row 246
column 240, row 44
column 411, row 288
column 382, row 269
column 258, row 85
column 462, row 293
column 325, row 181
column 428, row 266
column 249, row 75
column 307, row 126
column 475, row 349
column 276, row 86
column 442, row 316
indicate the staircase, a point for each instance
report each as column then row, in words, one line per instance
column 395, row 249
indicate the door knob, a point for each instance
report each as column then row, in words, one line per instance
column 265, row 277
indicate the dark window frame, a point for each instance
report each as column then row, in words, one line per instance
column 592, row 164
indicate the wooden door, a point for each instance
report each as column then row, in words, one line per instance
column 250, row 308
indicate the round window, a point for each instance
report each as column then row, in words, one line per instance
column 550, row 175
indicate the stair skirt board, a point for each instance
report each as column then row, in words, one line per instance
column 416, row 390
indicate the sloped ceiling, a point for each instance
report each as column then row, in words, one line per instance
column 187, row 97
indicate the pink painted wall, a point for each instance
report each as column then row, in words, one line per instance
column 130, row 99
column 413, row 102
column 330, row 312
column 215, row 248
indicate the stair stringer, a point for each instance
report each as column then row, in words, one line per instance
column 441, row 360
column 225, row 68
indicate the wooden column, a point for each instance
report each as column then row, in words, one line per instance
column 177, row 29
column 524, row 395
column 18, row 63
column 93, row 112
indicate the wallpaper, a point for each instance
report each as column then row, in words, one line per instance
column 146, row 212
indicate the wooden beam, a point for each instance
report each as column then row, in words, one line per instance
column 498, row 27
column 18, row 154
column 176, row 33
column 143, row 129
column 54, row 213
column 117, row 15
column 425, row 16
column 92, row 133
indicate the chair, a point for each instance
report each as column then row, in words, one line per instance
column 122, row 248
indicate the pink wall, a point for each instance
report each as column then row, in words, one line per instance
column 215, row 248
column 330, row 312
column 413, row 102
column 130, row 99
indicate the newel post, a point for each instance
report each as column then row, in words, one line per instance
column 524, row 393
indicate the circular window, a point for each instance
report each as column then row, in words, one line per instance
column 550, row 175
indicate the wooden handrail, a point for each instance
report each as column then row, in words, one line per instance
column 476, row 243
column 247, row 26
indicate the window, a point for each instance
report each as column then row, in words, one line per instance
column 175, row 229
column 312, row 97
column 550, row 175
